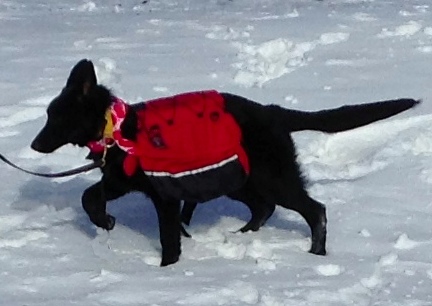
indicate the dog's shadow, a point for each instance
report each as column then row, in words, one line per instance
column 134, row 211
column 37, row 193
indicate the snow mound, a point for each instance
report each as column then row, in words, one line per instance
column 270, row 60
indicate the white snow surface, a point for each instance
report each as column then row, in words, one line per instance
column 376, row 181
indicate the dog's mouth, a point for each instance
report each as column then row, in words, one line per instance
column 46, row 142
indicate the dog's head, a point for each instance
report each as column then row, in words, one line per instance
column 76, row 115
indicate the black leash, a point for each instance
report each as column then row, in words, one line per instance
column 96, row 164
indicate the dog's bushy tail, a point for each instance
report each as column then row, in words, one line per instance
column 346, row 117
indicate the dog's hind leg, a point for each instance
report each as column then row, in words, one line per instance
column 315, row 215
column 291, row 193
column 94, row 200
column 284, row 185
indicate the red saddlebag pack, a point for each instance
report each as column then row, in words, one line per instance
column 190, row 147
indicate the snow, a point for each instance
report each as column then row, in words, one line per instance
column 303, row 54
column 408, row 29
column 329, row 270
column 269, row 60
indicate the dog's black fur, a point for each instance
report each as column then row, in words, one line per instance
column 76, row 116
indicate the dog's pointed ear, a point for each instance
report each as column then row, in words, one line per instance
column 82, row 76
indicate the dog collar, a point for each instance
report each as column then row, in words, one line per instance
column 109, row 126
column 114, row 117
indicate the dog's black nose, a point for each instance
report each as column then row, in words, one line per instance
column 35, row 145
column 45, row 145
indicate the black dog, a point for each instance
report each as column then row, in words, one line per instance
column 76, row 116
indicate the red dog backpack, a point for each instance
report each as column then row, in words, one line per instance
column 188, row 146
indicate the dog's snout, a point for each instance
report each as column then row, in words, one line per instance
column 36, row 145
column 42, row 146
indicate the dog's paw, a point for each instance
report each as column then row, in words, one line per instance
column 169, row 260
column 318, row 247
column 250, row 226
column 185, row 232
column 254, row 224
column 107, row 222
column 170, row 256
column 318, row 251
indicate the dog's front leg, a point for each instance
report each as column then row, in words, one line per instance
column 94, row 201
column 169, row 230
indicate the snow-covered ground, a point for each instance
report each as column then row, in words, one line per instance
column 304, row 54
